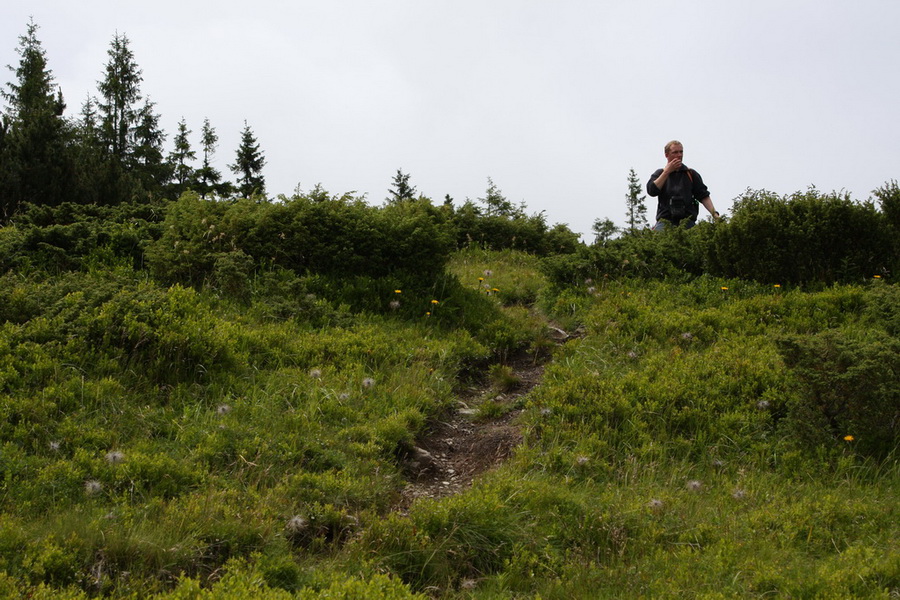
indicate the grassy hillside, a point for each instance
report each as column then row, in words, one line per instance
column 711, row 439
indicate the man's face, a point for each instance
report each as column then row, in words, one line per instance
column 675, row 151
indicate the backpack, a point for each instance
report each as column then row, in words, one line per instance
column 680, row 206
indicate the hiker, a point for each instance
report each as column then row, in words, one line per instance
column 679, row 189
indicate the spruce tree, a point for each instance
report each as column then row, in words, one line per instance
column 119, row 119
column 400, row 189
column 604, row 230
column 120, row 92
column 35, row 161
column 248, row 165
column 183, row 175
column 497, row 205
column 146, row 161
column 636, row 210
column 209, row 179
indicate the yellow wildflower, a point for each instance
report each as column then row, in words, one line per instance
column 724, row 289
column 849, row 438
column 398, row 291
column 435, row 302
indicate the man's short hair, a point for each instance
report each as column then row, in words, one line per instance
column 673, row 143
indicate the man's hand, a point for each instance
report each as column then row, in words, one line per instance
column 673, row 165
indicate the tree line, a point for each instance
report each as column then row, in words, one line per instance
column 113, row 151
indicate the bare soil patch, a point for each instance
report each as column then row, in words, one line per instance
column 461, row 445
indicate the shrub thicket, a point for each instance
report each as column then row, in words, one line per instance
column 802, row 238
column 338, row 236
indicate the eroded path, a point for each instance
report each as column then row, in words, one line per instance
column 462, row 445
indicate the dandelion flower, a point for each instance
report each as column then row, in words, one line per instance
column 877, row 276
column 724, row 289
column 849, row 438
column 435, row 302
column 398, row 291
column 115, row 457
column 694, row 485
column 655, row 504
column 481, row 279
column 777, row 285
column 488, row 272
column 368, row 382
column 223, row 409
column 92, row 487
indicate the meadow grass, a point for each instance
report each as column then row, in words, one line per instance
column 173, row 443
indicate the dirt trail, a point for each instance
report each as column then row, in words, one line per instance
column 461, row 445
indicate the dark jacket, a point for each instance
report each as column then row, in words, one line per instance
column 679, row 184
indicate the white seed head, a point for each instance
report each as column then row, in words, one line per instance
column 115, row 457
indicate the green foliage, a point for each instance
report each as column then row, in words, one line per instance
column 849, row 378
column 802, row 238
column 248, row 164
column 340, row 237
column 511, row 229
column 675, row 253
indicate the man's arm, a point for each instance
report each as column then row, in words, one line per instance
column 708, row 205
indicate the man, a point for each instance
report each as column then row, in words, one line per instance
column 679, row 190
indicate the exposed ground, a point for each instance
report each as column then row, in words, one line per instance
column 463, row 444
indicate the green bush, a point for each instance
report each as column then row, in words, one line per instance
column 850, row 391
column 802, row 238
column 342, row 237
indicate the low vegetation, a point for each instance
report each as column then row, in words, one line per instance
column 720, row 438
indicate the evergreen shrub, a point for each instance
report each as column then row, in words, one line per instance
column 802, row 238
column 333, row 237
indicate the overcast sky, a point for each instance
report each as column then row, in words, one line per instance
column 553, row 100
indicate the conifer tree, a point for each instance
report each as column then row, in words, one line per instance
column 121, row 126
column 400, row 189
column 604, row 230
column 120, row 91
column 636, row 210
column 35, row 162
column 209, row 179
column 146, row 160
column 248, row 165
column 497, row 205
column 183, row 174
